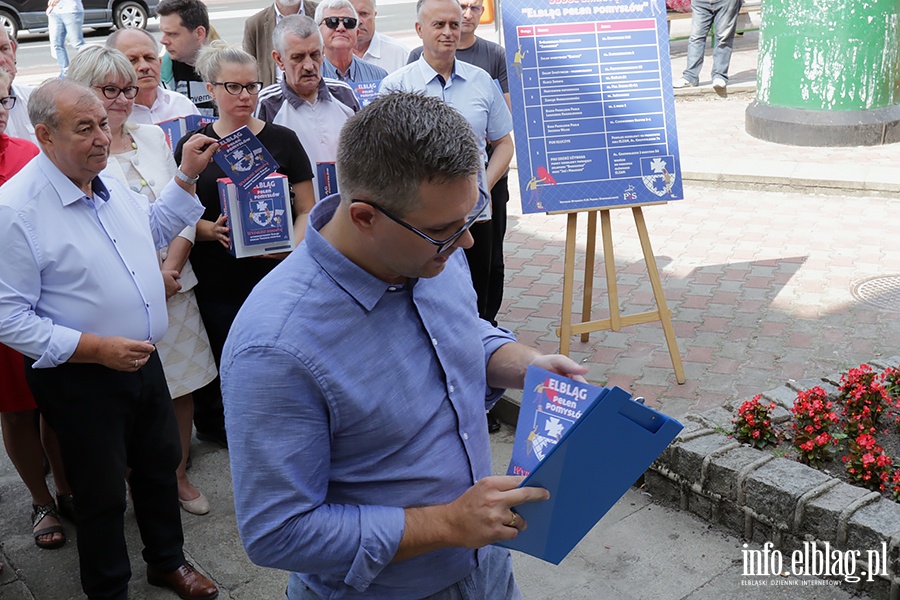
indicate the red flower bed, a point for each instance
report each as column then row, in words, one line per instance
column 850, row 426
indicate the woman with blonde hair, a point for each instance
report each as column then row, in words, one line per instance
column 141, row 159
column 232, row 80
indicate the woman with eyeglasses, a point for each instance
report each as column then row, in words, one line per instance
column 140, row 158
column 232, row 80
column 26, row 436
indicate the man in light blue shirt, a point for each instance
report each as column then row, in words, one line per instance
column 356, row 377
column 338, row 21
column 81, row 297
column 471, row 91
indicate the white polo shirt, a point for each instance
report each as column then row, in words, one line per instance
column 168, row 105
column 386, row 52
column 318, row 124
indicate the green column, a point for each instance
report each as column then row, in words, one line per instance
column 828, row 73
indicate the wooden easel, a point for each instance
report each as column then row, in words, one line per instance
column 615, row 321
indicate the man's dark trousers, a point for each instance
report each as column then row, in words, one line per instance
column 108, row 421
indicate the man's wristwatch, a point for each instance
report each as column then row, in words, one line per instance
column 188, row 180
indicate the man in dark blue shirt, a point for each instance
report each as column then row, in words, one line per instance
column 363, row 360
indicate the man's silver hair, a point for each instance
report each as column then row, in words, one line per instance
column 97, row 65
column 112, row 40
column 399, row 141
column 419, row 4
column 300, row 25
column 320, row 9
column 42, row 104
column 215, row 54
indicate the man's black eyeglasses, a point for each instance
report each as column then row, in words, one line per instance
column 8, row 102
column 332, row 22
column 111, row 92
column 442, row 245
column 253, row 88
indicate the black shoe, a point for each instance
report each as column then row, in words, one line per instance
column 65, row 503
column 216, row 437
column 493, row 423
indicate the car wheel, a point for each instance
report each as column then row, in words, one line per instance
column 9, row 23
column 130, row 15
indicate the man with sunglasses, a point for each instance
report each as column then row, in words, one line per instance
column 373, row 477
column 337, row 21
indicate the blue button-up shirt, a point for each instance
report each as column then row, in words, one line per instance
column 348, row 399
column 70, row 264
column 470, row 90
column 360, row 71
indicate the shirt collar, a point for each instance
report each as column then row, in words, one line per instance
column 68, row 192
column 297, row 102
column 162, row 99
column 364, row 287
column 279, row 16
column 374, row 49
column 429, row 74
column 351, row 70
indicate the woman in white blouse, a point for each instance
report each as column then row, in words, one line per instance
column 141, row 159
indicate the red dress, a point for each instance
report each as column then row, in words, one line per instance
column 14, row 392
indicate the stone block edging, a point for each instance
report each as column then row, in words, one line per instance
column 766, row 498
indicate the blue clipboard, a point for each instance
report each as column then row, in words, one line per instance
column 599, row 458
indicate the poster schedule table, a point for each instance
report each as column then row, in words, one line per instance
column 595, row 110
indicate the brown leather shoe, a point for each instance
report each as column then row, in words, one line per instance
column 184, row 581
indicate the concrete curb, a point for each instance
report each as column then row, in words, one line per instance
column 765, row 498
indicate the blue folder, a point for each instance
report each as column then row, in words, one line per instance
column 589, row 469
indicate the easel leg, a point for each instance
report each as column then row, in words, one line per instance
column 565, row 326
column 615, row 319
column 665, row 316
column 590, row 255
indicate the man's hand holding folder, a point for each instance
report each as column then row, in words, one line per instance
column 484, row 514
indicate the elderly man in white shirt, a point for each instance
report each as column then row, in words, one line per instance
column 154, row 103
column 374, row 47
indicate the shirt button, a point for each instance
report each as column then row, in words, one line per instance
column 152, row 182
column 434, row 341
column 137, row 161
column 451, row 389
column 465, row 436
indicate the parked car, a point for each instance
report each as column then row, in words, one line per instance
column 16, row 15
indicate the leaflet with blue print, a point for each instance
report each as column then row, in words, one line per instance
column 260, row 220
column 244, row 159
column 326, row 177
column 551, row 404
column 366, row 91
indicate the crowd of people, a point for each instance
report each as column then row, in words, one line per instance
column 125, row 322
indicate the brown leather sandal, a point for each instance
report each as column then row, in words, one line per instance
column 39, row 513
